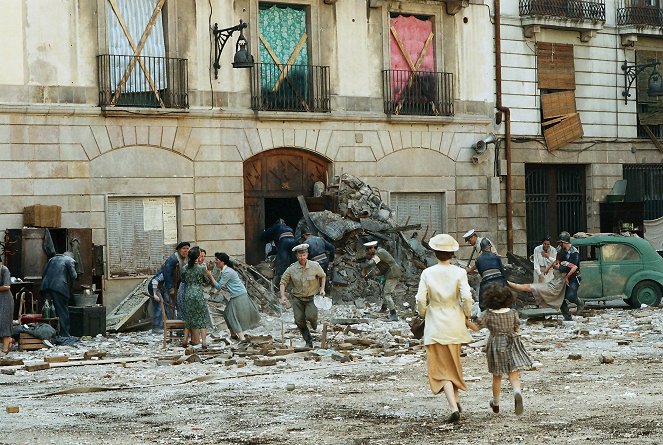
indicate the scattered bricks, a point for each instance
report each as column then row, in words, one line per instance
column 241, row 363
column 264, row 362
column 56, row 359
column 12, row 409
column 607, row 359
column 624, row 342
column 8, row 371
column 37, row 367
column 290, row 387
column 340, row 357
column 11, row 362
column 345, row 346
column 584, row 332
column 278, row 352
column 575, row 356
column 230, row 362
column 360, row 341
column 92, row 354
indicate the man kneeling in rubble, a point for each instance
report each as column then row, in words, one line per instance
column 307, row 279
column 382, row 263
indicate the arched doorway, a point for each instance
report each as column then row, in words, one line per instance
column 272, row 181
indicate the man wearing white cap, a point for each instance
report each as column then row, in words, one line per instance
column 474, row 240
column 307, row 279
column 382, row 263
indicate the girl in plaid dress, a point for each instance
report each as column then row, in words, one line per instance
column 505, row 352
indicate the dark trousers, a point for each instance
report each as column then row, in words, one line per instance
column 155, row 306
column 61, row 304
column 571, row 293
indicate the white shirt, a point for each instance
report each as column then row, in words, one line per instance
column 541, row 262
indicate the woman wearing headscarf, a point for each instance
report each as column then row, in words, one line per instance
column 241, row 313
column 6, row 308
column 444, row 299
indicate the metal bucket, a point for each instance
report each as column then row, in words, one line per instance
column 82, row 300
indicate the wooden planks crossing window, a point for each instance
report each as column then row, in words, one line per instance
column 556, row 74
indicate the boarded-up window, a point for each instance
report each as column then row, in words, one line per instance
column 426, row 209
column 556, row 68
column 142, row 232
column 560, row 120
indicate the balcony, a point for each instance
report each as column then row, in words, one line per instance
column 424, row 93
column 634, row 19
column 299, row 88
column 584, row 16
column 144, row 81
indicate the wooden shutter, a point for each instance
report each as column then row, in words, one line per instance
column 556, row 68
column 561, row 122
column 140, row 234
column 426, row 209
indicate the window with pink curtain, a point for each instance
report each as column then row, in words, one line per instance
column 414, row 33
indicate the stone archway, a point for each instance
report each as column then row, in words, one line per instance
column 277, row 174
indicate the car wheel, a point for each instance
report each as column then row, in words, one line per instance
column 645, row 292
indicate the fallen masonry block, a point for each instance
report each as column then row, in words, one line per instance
column 12, row 409
column 575, row 356
column 11, row 362
column 94, row 354
column 340, row 357
column 56, row 359
column 37, row 367
column 265, row 362
column 607, row 359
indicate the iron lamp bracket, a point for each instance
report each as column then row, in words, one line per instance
column 631, row 73
column 221, row 36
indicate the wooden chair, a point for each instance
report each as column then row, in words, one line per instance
column 169, row 325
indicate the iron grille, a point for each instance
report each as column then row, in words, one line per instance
column 635, row 13
column 290, row 88
column 424, row 93
column 167, row 76
column 571, row 9
column 554, row 201
column 645, row 183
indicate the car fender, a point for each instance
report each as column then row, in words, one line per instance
column 642, row 276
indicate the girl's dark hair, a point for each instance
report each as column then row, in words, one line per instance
column 443, row 256
column 194, row 253
column 222, row 256
column 497, row 297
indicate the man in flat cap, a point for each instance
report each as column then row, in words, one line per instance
column 307, row 279
column 382, row 263
column 171, row 271
column 474, row 240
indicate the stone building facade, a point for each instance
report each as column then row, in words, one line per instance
column 178, row 154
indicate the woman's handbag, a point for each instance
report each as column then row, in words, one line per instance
column 417, row 326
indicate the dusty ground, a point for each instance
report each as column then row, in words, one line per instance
column 373, row 399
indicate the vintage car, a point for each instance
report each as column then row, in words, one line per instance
column 614, row 266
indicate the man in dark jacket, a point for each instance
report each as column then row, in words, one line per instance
column 59, row 275
column 284, row 239
column 572, row 255
column 491, row 269
column 321, row 251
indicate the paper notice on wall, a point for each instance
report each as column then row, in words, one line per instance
column 152, row 214
column 169, row 221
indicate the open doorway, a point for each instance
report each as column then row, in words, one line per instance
column 272, row 181
column 286, row 208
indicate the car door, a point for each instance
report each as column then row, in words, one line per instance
column 618, row 262
column 591, row 286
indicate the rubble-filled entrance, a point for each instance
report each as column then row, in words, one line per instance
column 275, row 178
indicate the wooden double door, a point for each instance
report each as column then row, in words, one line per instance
column 272, row 181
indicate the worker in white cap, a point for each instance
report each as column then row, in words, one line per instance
column 474, row 240
column 382, row 263
column 307, row 279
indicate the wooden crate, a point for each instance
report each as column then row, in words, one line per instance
column 27, row 342
column 42, row 216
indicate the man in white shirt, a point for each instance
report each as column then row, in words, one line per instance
column 542, row 257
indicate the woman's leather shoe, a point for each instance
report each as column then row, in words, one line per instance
column 454, row 417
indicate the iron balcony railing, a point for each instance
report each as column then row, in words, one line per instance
column 425, row 93
column 634, row 13
column 567, row 9
column 303, row 88
column 144, row 81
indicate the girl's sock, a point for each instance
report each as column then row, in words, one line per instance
column 496, row 400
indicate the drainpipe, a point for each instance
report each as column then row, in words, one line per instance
column 505, row 112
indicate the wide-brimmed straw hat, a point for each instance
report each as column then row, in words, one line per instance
column 444, row 243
